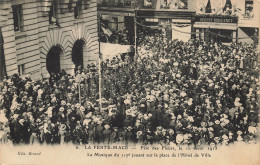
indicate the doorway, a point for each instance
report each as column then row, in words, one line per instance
column 77, row 53
column 53, row 60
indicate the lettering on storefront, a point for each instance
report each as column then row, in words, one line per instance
column 219, row 20
column 216, row 19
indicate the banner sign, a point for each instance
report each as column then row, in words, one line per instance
column 216, row 19
column 109, row 50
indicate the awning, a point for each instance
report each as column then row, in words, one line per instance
column 151, row 19
column 181, row 20
column 109, row 50
column 181, row 32
column 212, row 25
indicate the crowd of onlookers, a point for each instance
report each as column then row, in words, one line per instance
column 122, row 37
column 172, row 92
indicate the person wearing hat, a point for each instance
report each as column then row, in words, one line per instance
column 148, row 136
column 77, row 133
column 80, row 112
column 158, row 135
column 252, row 117
column 122, row 135
column 217, row 140
column 21, row 131
column 99, row 132
column 114, row 136
column 4, row 134
column 238, row 116
column 62, row 131
column 106, row 134
column 239, row 137
column 129, row 136
column 128, row 121
column 91, row 132
column 231, row 137
column 179, row 138
column 232, row 112
column 138, row 126
column 143, row 105
column 252, row 129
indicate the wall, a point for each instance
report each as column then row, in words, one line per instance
column 31, row 46
column 70, row 30
column 9, row 38
column 244, row 38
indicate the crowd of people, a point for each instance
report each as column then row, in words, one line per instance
column 122, row 37
column 172, row 92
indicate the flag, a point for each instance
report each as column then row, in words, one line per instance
column 109, row 50
column 208, row 7
column 106, row 30
column 228, row 5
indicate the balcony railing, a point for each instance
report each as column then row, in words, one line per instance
column 123, row 4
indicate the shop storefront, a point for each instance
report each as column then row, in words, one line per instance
column 182, row 29
column 173, row 24
column 220, row 28
column 150, row 26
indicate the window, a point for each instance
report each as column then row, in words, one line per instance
column 18, row 17
column 151, row 21
column 53, row 13
column 120, row 3
column 249, row 6
column 78, row 9
column 70, row 6
column 21, row 69
column 128, row 3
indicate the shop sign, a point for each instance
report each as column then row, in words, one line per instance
column 216, row 19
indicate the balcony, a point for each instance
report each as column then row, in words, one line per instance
column 124, row 4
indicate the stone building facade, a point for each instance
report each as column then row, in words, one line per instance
column 169, row 15
column 44, row 36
